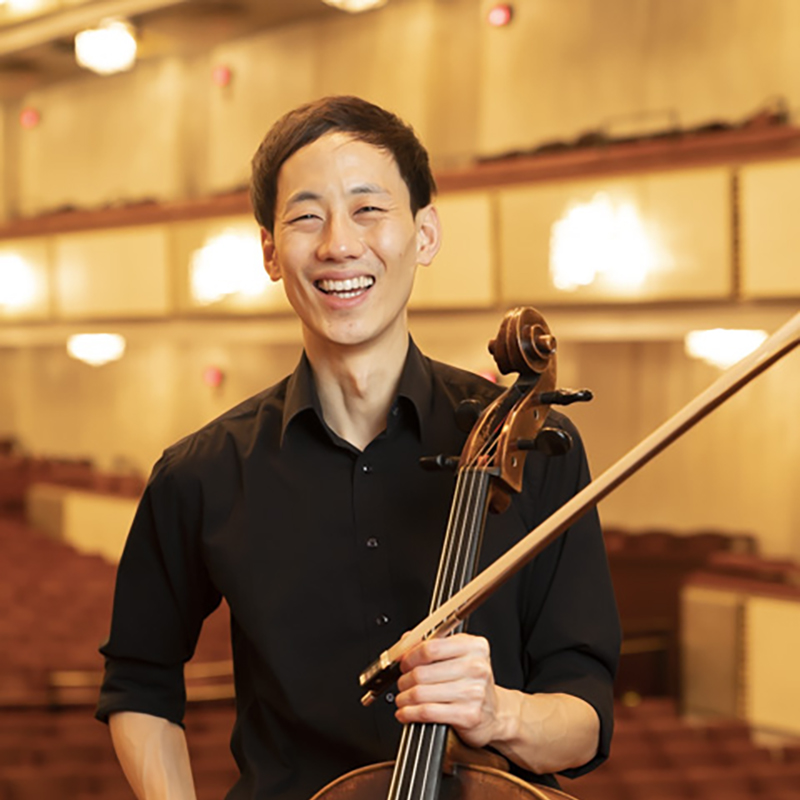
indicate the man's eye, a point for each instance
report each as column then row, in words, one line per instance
column 304, row 217
column 369, row 209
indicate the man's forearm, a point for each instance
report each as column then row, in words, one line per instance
column 153, row 755
column 545, row 732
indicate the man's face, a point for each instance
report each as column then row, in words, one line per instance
column 345, row 242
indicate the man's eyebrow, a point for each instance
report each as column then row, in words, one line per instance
column 301, row 197
column 307, row 195
column 368, row 188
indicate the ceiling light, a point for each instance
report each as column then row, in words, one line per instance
column 23, row 6
column 96, row 348
column 354, row 6
column 109, row 48
column 722, row 347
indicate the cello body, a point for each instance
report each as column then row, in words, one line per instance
column 468, row 782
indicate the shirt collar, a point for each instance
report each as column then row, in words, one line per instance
column 415, row 385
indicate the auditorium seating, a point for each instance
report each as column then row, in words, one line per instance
column 19, row 472
column 56, row 605
column 658, row 754
column 56, row 608
column 648, row 568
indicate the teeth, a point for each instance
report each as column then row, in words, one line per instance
column 349, row 285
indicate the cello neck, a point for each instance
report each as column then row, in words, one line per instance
column 418, row 767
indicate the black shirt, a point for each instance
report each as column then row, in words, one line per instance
column 326, row 555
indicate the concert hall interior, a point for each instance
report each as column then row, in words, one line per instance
column 630, row 168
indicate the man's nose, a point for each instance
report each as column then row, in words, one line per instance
column 341, row 239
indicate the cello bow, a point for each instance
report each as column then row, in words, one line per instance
column 385, row 670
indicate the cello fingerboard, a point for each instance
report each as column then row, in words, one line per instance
column 417, row 772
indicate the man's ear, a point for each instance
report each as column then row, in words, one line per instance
column 429, row 234
column 270, row 257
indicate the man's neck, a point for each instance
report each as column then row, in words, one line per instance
column 356, row 387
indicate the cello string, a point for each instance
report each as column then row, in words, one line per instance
column 418, row 740
column 463, row 535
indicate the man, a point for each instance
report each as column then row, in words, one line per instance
column 305, row 508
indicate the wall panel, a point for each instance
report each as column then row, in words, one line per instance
column 681, row 228
column 770, row 235
column 773, row 647
column 103, row 140
column 112, row 274
column 463, row 273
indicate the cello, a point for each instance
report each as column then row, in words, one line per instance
column 431, row 763
column 425, row 769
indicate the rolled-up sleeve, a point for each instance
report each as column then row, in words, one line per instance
column 163, row 593
column 573, row 638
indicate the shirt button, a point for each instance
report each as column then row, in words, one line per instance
column 389, row 697
column 372, row 542
column 366, row 468
column 382, row 619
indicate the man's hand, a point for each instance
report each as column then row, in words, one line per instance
column 450, row 681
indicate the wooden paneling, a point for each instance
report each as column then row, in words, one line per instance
column 684, row 218
column 112, row 274
column 770, row 235
column 89, row 521
column 244, row 245
column 711, row 651
column 773, row 649
column 462, row 275
column 92, row 148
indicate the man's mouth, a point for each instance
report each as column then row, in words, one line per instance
column 347, row 288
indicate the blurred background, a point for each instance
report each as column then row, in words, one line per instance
column 631, row 168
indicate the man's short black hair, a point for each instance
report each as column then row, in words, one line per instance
column 352, row 115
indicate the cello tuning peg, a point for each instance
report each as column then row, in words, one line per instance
column 565, row 397
column 550, row 441
column 432, row 463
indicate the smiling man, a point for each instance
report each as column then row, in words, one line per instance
column 306, row 509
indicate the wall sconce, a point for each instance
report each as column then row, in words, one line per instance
column 722, row 347
column 18, row 285
column 96, row 348
column 229, row 264
column 601, row 241
column 107, row 49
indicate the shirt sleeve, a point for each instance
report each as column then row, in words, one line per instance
column 572, row 632
column 163, row 593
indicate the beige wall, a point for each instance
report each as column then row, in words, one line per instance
column 736, row 471
column 164, row 130
column 124, row 414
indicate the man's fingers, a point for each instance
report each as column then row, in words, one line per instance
column 455, row 669
column 451, row 647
